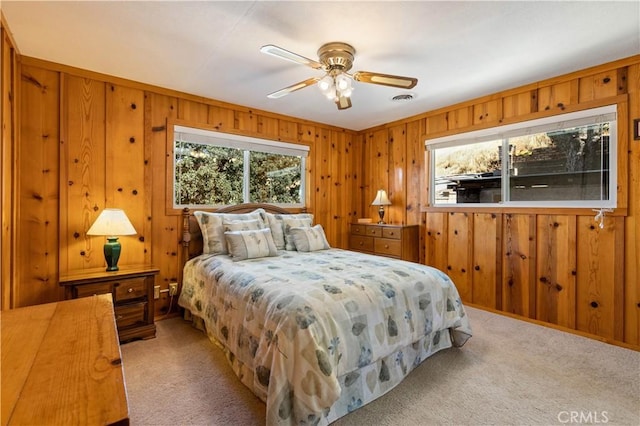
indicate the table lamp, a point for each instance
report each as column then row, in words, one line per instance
column 112, row 223
column 381, row 200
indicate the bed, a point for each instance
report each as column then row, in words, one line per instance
column 315, row 332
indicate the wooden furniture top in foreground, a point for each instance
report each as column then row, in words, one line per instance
column 61, row 364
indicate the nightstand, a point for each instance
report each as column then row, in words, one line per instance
column 397, row 241
column 132, row 290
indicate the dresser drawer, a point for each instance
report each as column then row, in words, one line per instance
column 91, row 290
column 130, row 289
column 393, row 233
column 388, row 247
column 361, row 243
column 130, row 314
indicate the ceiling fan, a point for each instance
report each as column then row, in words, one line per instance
column 335, row 59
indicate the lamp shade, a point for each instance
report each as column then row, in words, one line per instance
column 112, row 222
column 381, row 199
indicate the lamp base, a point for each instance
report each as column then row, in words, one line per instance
column 112, row 250
column 381, row 214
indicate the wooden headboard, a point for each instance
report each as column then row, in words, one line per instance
column 192, row 236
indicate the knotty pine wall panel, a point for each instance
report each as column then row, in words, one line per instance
column 557, row 96
column 126, row 170
column 459, row 252
column 556, row 270
column 222, row 119
column 37, row 189
column 82, row 174
column 599, row 280
column 323, row 180
column 396, row 189
column 486, row 283
column 632, row 220
column 378, row 177
column 166, row 229
column 9, row 81
column 519, row 104
column 519, row 264
column 436, row 242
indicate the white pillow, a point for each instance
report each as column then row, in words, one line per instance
column 291, row 222
column 275, row 222
column 310, row 239
column 250, row 244
column 212, row 227
column 242, row 225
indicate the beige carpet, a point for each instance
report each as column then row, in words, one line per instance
column 510, row 373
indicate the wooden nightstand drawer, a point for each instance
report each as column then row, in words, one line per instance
column 130, row 314
column 388, row 247
column 91, row 290
column 130, row 289
column 361, row 243
column 359, row 229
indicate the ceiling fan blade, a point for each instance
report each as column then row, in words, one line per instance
column 385, row 79
column 343, row 102
column 279, row 52
column 301, row 85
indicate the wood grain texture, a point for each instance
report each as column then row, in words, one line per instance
column 165, row 228
column 436, row 242
column 61, row 364
column 459, row 253
column 37, row 189
column 600, row 263
column 82, row 172
column 556, row 270
column 632, row 221
column 8, row 134
column 519, row 264
column 125, row 169
column 486, row 274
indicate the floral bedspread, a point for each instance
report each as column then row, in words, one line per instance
column 299, row 327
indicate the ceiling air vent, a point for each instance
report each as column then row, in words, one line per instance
column 405, row 97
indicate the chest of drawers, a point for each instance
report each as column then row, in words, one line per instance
column 397, row 241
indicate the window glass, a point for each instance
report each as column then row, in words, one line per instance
column 567, row 160
column 569, row 164
column 468, row 173
column 275, row 178
column 215, row 169
column 207, row 175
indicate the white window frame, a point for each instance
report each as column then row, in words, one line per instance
column 247, row 144
column 556, row 122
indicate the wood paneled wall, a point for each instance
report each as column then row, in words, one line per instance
column 88, row 141
column 552, row 265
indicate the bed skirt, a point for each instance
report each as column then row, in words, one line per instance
column 361, row 386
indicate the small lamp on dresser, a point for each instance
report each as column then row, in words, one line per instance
column 381, row 200
column 112, row 223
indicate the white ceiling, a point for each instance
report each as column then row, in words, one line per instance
column 457, row 50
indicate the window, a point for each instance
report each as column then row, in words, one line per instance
column 561, row 161
column 216, row 169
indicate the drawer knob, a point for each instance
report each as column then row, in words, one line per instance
column 119, row 317
column 361, row 243
column 391, row 233
column 386, row 246
column 130, row 290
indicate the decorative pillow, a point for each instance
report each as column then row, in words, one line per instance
column 309, row 239
column 212, row 227
column 275, row 222
column 250, row 244
column 242, row 225
column 290, row 222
